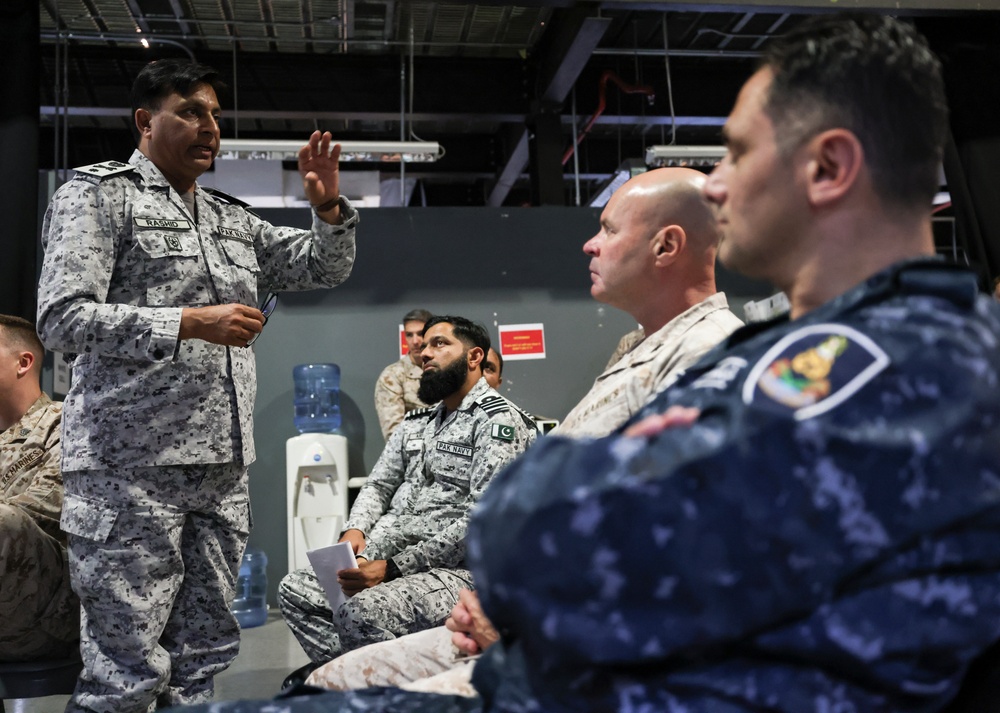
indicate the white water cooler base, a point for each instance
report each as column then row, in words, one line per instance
column 316, row 465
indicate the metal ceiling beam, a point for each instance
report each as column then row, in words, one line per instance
column 420, row 116
column 558, row 71
column 891, row 6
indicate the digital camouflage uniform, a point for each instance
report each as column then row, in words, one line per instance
column 652, row 366
column 625, row 386
column 396, row 394
column 39, row 614
column 823, row 539
column 158, row 432
column 413, row 510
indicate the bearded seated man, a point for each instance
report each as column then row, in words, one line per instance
column 407, row 526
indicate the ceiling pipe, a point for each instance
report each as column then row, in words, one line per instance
column 607, row 75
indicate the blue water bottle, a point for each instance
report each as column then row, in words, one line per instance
column 317, row 398
column 250, row 604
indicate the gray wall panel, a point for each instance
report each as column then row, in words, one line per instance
column 497, row 266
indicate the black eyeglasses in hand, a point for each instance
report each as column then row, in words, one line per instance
column 266, row 308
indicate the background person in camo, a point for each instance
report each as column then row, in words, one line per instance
column 152, row 282
column 408, row 523
column 397, row 385
column 39, row 614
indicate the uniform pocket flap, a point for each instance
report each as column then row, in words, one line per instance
column 241, row 254
column 87, row 518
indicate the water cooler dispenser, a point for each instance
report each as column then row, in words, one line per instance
column 316, row 464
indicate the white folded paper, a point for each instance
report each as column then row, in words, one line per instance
column 327, row 561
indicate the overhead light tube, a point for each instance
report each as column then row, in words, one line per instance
column 373, row 151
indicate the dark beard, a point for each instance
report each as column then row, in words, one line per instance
column 436, row 385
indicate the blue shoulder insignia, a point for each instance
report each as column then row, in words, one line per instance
column 812, row 370
column 493, row 404
column 105, row 169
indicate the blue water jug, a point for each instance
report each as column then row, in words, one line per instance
column 250, row 604
column 317, row 398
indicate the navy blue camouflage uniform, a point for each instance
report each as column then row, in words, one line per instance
column 824, row 538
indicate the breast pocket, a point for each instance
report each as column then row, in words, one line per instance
column 169, row 262
column 240, row 254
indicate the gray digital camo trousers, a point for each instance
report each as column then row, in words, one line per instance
column 154, row 555
column 411, row 603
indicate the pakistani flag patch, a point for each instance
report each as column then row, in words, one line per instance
column 501, row 432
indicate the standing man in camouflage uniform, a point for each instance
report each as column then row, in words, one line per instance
column 397, row 385
column 408, row 523
column 39, row 614
column 152, row 282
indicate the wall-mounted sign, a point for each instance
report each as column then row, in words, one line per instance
column 522, row 341
column 404, row 348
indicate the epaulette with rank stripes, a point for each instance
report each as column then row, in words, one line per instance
column 105, row 169
column 418, row 412
column 493, row 404
column 225, row 197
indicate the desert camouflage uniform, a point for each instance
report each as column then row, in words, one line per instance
column 39, row 614
column 414, row 511
column 396, row 394
column 626, row 344
column 650, row 367
column 823, row 539
column 158, row 432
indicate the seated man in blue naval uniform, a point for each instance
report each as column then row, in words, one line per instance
column 809, row 519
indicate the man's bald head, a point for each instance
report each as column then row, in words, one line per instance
column 674, row 195
column 656, row 246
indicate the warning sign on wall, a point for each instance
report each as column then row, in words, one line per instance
column 522, row 341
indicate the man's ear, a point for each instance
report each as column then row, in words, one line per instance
column 476, row 356
column 836, row 159
column 668, row 244
column 25, row 361
column 143, row 117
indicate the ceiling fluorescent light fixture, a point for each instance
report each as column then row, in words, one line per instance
column 686, row 156
column 372, row 151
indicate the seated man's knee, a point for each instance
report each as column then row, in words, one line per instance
column 356, row 611
column 291, row 589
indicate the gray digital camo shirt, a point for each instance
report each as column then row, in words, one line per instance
column 415, row 505
column 123, row 257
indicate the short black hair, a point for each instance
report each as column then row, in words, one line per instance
column 417, row 315
column 875, row 76
column 465, row 330
column 20, row 335
column 499, row 361
column 162, row 77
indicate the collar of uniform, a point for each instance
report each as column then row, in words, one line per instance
column 479, row 389
column 28, row 421
column 677, row 326
column 923, row 275
column 412, row 370
column 151, row 175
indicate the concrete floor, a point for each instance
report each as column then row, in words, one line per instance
column 268, row 653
